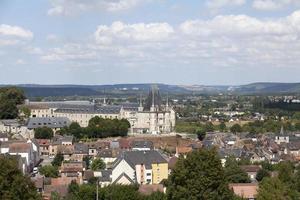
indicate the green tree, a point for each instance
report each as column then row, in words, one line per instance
column 199, row 176
column 209, row 127
column 261, row 174
column 233, row 172
column 43, row 133
column 49, row 171
column 273, row 188
column 236, row 128
column 58, row 159
column 10, row 97
column 73, row 129
column 120, row 192
column 97, row 164
column 222, row 126
column 13, row 184
column 285, row 171
column 296, row 116
column 200, row 134
column 155, row 196
column 25, row 110
column 297, row 126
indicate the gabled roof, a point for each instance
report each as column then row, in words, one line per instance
column 51, row 122
column 19, row 148
column 72, row 167
column 142, row 144
column 251, row 168
column 146, row 158
column 105, row 175
column 244, row 190
column 81, row 148
column 126, row 176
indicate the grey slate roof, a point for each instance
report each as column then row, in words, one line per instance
column 126, row 176
column 142, row 144
column 141, row 157
column 81, row 148
column 10, row 122
column 105, row 176
column 108, row 109
column 51, row 122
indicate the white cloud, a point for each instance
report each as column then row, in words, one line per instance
column 74, row 7
column 52, row 38
column 272, row 5
column 216, row 4
column 15, row 31
column 133, row 32
column 69, row 52
column 14, row 35
column 20, row 62
column 238, row 41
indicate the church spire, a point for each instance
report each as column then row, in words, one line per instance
column 153, row 97
column 141, row 104
column 167, row 103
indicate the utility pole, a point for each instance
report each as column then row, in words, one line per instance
column 97, row 195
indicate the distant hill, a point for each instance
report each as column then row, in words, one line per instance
column 267, row 88
column 32, row 90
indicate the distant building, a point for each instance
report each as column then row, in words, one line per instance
column 152, row 117
column 55, row 123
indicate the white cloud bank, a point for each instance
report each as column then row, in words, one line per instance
column 13, row 35
column 237, row 41
column 272, row 5
column 74, row 7
column 216, row 4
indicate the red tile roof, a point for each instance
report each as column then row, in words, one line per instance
column 148, row 189
column 19, row 147
column 244, row 190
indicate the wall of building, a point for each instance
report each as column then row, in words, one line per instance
column 122, row 167
column 159, row 172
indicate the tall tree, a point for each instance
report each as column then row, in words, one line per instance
column 43, row 133
column 233, row 172
column 49, row 171
column 58, row 159
column 273, row 188
column 199, row 176
column 10, row 97
column 97, row 164
column 13, row 184
column 261, row 174
column 236, row 128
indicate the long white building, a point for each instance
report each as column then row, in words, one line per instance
column 151, row 117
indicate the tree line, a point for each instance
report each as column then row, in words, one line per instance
column 255, row 127
column 97, row 128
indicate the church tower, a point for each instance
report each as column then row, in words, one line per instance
column 153, row 114
column 167, row 120
column 141, row 108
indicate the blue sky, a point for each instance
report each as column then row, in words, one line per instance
column 142, row 41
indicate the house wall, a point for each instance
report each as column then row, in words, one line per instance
column 122, row 167
column 159, row 172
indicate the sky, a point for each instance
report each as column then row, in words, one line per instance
column 207, row 42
